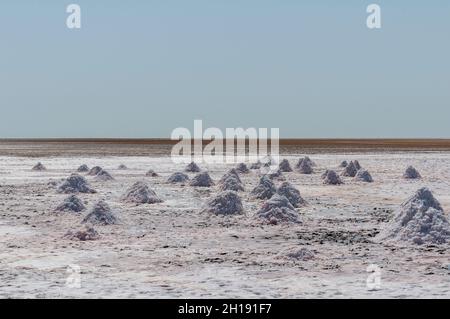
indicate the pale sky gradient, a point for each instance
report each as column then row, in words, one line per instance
column 143, row 68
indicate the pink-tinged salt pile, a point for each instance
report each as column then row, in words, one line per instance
column 140, row 193
column 278, row 209
column 419, row 220
column 225, row 203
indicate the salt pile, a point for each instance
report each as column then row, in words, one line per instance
column 87, row 233
column 83, row 168
column 278, row 209
column 75, row 184
column 202, row 180
column 71, row 204
column 225, row 203
column 101, row 214
column 364, row 176
column 411, row 173
column 122, row 167
column 94, row 170
column 343, row 164
column 287, row 190
column 231, row 183
column 350, row 170
column 277, row 175
column 284, row 166
column 151, row 173
column 192, row 168
column 178, row 177
column 305, row 159
column 419, row 220
column 357, row 166
column 305, row 167
column 103, row 176
column 332, row 178
column 39, row 167
column 242, row 168
column 140, row 193
column 256, row 165
column 265, row 189
column 232, row 172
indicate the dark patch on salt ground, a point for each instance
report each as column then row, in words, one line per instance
column 192, row 168
column 75, row 184
column 265, row 189
column 284, row 166
column 225, row 203
column 411, row 173
column 278, row 209
column 178, row 177
column 256, row 165
column 101, row 214
column 39, row 167
column 71, row 204
column 151, row 173
column 364, row 176
column 291, row 193
column 345, row 237
column 84, row 234
column 103, row 176
column 419, row 220
column 202, row 180
column 301, row 254
column 83, row 168
column 231, row 183
column 94, row 170
column 242, row 168
column 140, row 193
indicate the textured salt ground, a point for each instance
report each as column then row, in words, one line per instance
column 173, row 250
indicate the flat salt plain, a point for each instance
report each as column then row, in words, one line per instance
column 174, row 250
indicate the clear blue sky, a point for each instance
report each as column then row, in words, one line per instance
column 143, row 68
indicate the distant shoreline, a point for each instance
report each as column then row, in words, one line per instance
column 319, row 143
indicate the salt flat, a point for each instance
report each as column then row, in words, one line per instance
column 174, row 249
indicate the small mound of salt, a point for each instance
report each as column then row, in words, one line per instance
column 83, row 168
column 419, row 220
column 343, row 164
column 242, row 168
column 265, row 189
column 332, row 178
column 411, row 173
column 140, row 193
column 101, row 214
column 305, row 159
column 75, row 184
column 192, row 168
column 350, row 170
column 122, row 167
column 284, row 166
column 357, row 165
column 305, row 167
column 277, row 175
column 95, row 170
column 103, row 176
column 291, row 193
column 278, row 209
column 71, row 204
column 151, row 173
column 363, row 176
column 232, row 172
column 178, row 177
column 225, row 203
column 39, row 167
column 87, row 233
column 231, row 183
column 202, row 180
